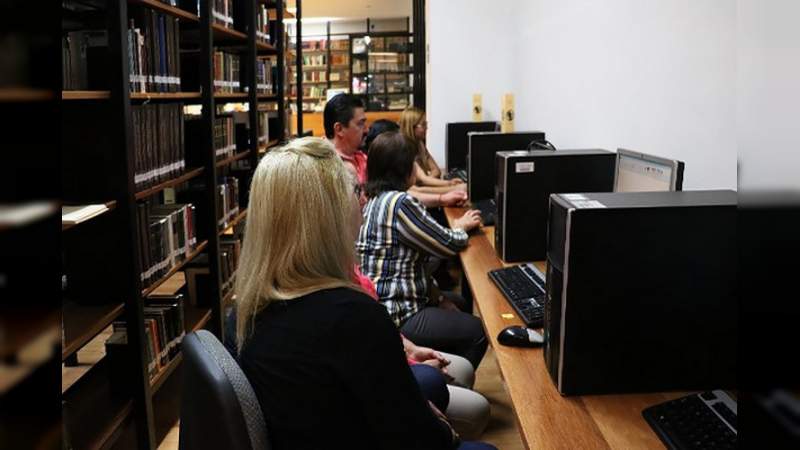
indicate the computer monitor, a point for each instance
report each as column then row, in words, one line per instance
column 455, row 141
column 640, row 172
column 480, row 158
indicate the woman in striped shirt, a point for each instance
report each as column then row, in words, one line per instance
column 396, row 239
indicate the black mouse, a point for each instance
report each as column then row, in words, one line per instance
column 517, row 336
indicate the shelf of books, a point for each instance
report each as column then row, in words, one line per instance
column 382, row 70
column 170, row 104
column 325, row 65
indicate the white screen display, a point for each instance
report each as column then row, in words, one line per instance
column 638, row 175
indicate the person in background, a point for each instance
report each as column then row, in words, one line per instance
column 397, row 238
column 414, row 126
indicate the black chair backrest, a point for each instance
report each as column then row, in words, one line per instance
column 219, row 408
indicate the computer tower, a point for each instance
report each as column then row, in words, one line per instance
column 480, row 158
column 525, row 180
column 455, row 141
column 641, row 292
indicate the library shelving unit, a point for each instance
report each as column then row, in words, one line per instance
column 108, row 143
column 325, row 65
column 381, row 68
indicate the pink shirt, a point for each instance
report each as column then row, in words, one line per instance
column 359, row 161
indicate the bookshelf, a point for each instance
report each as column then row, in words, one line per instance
column 381, row 67
column 138, row 140
column 325, row 65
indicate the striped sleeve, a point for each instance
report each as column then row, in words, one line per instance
column 419, row 230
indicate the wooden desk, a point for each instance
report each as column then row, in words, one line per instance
column 546, row 419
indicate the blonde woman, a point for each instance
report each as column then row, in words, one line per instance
column 324, row 359
column 414, row 125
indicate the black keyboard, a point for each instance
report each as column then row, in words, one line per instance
column 524, row 288
column 456, row 173
column 488, row 209
column 698, row 421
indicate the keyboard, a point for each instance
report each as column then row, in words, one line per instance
column 698, row 421
column 456, row 173
column 488, row 210
column 524, row 288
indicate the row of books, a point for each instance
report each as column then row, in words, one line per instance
column 224, row 137
column 222, row 13
column 262, row 23
column 264, row 76
column 226, row 72
column 315, row 60
column 229, row 250
column 158, row 143
column 166, row 236
column 154, row 52
column 227, row 200
column 164, row 329
column 312, row 92
column 315, row 75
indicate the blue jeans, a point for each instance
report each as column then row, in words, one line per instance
column 472, row 445
column 432, row 384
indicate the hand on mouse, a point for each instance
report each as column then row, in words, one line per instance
column 470, row 220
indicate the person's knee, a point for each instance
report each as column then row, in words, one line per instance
column 461, row 370
column 432, row 384
column 468, row 412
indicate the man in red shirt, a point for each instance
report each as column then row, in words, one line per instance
column 346, row 127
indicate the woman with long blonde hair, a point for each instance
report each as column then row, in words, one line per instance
column 414, row 125
column 325, row 360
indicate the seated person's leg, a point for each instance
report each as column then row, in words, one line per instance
column 450, row 331
column 476, row 446
column 433, row 386
column 468, row 412
column 461, row 370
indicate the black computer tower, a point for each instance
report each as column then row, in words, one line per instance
column 525, row 180
column 480, row 158
column 641, row 292
column 455, row 141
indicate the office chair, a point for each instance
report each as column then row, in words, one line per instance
column 219, row 408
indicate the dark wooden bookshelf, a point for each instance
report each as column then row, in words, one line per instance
column 94, row 412
column 191, row 173
column 85, row 95
column 235, row 221
column 147, row 96
column 17, row 95
column 95, row 416
column 159, row 378
column 83, row 322
column 166, row 9
column 195, row 317
column 23, row 325
column 224, row 35
column 235, row 157
column 264, row 147
column 178, row 266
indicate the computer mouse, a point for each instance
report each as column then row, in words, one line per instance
column 517, row 336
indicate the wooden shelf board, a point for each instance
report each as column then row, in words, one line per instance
column 267, row 97
column 93, row 413
column 159, row 379
column 265, row 48
column 169, row 183
column 110, row 205
column 25, row 95
column 227, row 34
column 83, row 322
column 230, row 96
column 25, row 326
column 262, row 148
column 165, row 95
column 273, row 15
column 235, row 157
column 167, row 9
column 235, row 221
column 195, row 317
column 200, row 247
column 172, row 285
column 309, row 82
column 85, row 95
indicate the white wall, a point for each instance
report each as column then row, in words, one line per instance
column 469, row 51
column 768, row 99
column 657, row 76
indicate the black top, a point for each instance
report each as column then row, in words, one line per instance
column 329, row 372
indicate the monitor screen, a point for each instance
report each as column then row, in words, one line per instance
column 639, row 172
column 456, row 141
